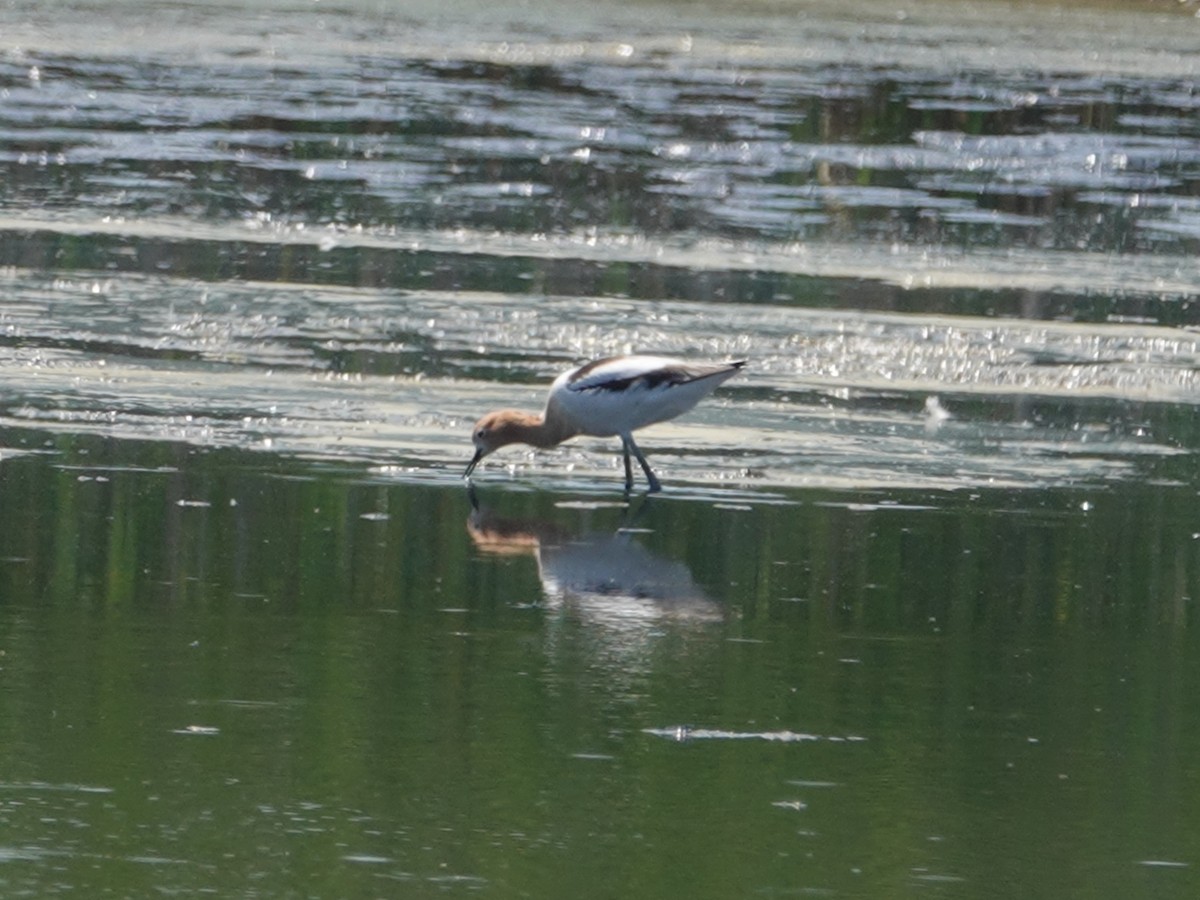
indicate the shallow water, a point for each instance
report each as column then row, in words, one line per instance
column 913, row 615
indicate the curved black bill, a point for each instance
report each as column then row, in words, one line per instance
column 473, row 463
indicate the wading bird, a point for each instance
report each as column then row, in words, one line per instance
column 614, row 396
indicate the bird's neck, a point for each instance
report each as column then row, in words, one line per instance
column 539, row 431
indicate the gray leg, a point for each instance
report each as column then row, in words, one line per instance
column 630, row 446
column 628, row 467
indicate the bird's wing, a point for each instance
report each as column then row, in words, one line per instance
column 619, row 373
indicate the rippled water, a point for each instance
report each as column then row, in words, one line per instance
column 913, row 614
column 431, row 209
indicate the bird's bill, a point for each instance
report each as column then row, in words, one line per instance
column 473, row 463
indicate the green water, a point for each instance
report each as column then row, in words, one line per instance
column 230, row 674
column 262, row 265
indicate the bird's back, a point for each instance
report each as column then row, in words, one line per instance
column 621, row 394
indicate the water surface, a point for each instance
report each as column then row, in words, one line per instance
column 913, row 615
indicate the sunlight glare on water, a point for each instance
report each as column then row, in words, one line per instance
column 230, row 365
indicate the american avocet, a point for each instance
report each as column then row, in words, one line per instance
column 614, row 396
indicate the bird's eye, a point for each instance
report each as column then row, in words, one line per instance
column 481, row 433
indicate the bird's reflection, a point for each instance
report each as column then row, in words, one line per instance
column 609, row 577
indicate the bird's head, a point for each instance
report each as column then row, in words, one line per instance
column 494, row 431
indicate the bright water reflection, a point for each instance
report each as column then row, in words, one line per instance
column 914, row 615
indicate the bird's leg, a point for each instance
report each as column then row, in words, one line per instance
column 628, row 467
column 630, row 446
